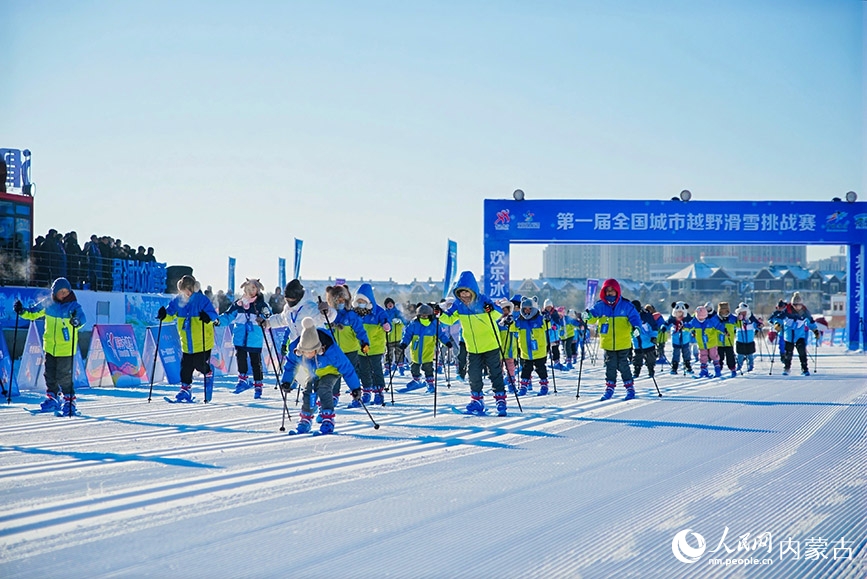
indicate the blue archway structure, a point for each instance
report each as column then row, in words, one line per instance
column 680, row 223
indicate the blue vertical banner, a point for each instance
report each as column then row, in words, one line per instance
column 451, row 267
column 857, row 325
column 297, row 271
column 231, row 288
column 281, row 272
column 496, row 283
column 590, row 297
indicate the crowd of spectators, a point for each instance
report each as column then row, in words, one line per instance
column 88, row 267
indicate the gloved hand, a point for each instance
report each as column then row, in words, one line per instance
column 203, row 315
column 284, row 349
column 266, row 312
column 387, row 327
column 338, row 327
column 489, row 308
column 816, row 334
column 18, row 307
column 287, row 386
column 323, row 307
column 161, row 315
column 653, row 340
column 365, row 348
column 356, row 394
column 74, row 321
column 449, row 345
column 778, row 327
column 395, row 321
column 636, row 332
column 587, row 314
column 437, row 310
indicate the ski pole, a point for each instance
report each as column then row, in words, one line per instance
column 375, row 425
column 500, row 349
column 12, row 355
column 580, row 369
column 550, row 354
column 436, row 361
column 447, row 364
column 816, row 356
column 154, row 365
column 73, row 360
column 390, row 378
column 771, row 371
column 276, row 352
column 270, row 357
column 653, row 377
column 285, row 411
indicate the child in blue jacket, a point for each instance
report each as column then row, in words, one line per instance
column 420, row 336
column 795, row 324
column 315, row 362
column 247, row 317
column 63, row 316
column 645, row 343
column 745, row 336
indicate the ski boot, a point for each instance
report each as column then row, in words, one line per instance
column 414, row 384
column 609, row 391
column 304, row 424
column 184, row 394
column 501, row 403
column 543, row 388
column 243, row 384
column 430, row 385
column 805, row 373
column 257, row 390
column 51, row 403
column 327, row 426
column 68, row 406
column 630, row 392
column 209, row 386
column 477, row 404
column 365, row 398
column 378, row 398
column 785, row 371
column 523, row 390
column 734, row 373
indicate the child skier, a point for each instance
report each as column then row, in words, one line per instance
column 570, row 330
column 554, row 323
column 533, row 339
column 196, row 317
column 726, row 348
column 247, row 317
column 745, row 341
column 316, row 363
column 507, row 340
column 680, row 339
column 706, row 330
column 63, row 316
column 645, row 343
column 421, row 337
column 615, row 319
column 394, row 358
column 474, row 311
column 795, row 324
column 377, row 326
column 349, row 333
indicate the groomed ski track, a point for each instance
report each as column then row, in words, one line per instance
column 568, row 488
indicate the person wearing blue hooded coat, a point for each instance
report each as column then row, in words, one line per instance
column 377, row 325
column 474, row 311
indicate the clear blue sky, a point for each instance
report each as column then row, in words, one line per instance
column 374, row 130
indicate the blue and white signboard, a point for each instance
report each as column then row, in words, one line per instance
column 677, row 223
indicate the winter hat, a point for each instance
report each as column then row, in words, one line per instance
column 294, row 291
column 504, row 303
column 529, row 303
column 743, row 308
column 516, row 299
column 781, row 304
column 252, row 283
column 723, row 308
column 59, row 284
column 637, row 304
column 548, row 304
column 309, row 341
column 333, row 292
column 701, row 313
column 424, row 310
column 649, row 308
column 388, row 301
column 797, row 299
column 189, row 283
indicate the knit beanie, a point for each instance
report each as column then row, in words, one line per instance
column 294, row 291
column 797, row 299
column 309, row 341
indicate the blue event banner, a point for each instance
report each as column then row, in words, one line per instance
column 676, row 222
column 168, row 360
column 114, row 352
column 281, row 272
column 231, row 288
column 296, row 272
column 590, row 296
column 451, row 267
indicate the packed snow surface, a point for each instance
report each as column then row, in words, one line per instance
column 570, row 487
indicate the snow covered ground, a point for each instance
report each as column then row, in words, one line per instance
column 568, row 488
